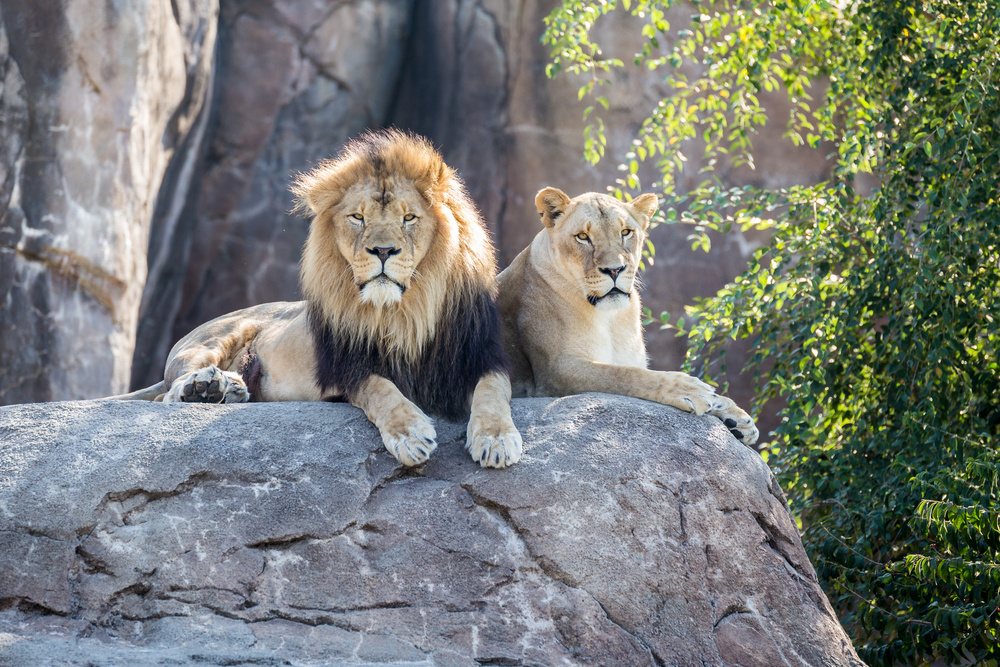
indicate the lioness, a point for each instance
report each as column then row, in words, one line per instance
column 571, row 316
column 399, row 316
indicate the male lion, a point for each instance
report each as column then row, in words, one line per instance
column 399, row 316
column 572, row 320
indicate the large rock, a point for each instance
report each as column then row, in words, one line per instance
column 90, row 91
column 629, row 534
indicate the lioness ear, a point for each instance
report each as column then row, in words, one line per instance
column 551, row 203
column 645, row 205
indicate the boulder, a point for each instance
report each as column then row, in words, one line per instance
column 630, row 534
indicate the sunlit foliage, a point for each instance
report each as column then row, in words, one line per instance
column 872, row 314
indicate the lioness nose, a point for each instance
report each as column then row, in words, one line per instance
column 383, row 253
column 613, row 272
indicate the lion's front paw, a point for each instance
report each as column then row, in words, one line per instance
column 494, row 442
column 739, row 423
column 208, row 385
column 409, row 435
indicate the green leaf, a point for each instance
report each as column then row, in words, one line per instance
column 869, row 313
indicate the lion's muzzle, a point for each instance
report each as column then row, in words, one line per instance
column 381, row 290
column 384, row 253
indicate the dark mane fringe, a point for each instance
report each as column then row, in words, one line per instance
column 465, row 347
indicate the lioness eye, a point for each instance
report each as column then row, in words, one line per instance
column 582, row 236
column 357, row 216
column 409, row 216
column 626, row 232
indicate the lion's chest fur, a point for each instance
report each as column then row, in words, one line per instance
column 440, row 378
column 548, row 321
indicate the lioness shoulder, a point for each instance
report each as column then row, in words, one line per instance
column 571, row 315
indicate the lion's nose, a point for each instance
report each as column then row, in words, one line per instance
column 383, row 253
column 613, row 272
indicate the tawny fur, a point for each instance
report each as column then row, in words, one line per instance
column 571, row 313
column 396, row 257
column 461, row 258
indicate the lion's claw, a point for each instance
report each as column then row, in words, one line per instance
column 739, row 423
column 495, row 445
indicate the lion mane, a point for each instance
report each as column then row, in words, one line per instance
column 444, row 335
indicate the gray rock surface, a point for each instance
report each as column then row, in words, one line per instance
column 283, row 534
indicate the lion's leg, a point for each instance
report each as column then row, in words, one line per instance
column 491, row 438
column 208, row 385
column 679, row 390
column 407, row 432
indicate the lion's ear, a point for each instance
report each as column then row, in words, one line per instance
column 551, row 204
column 434, row 182
column 645, row 206
column 317, row 190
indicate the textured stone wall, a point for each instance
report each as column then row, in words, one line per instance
column 471, row 76
column 477, row 86
column 295, row 80
column 95, row 96
column 123, row 124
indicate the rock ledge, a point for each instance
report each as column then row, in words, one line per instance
column 630, row 534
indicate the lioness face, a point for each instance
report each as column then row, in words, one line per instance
column 383, row 229
column 596, row 241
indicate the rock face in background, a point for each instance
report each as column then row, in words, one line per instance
column 474, row 80
column 286, row 83
column 629, row 534
column 95, row 96
column 469, row 75
column 296, row 79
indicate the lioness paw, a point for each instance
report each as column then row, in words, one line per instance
column 208, row 385
column 409, row 435
column 494, row 443
column 739, row 423
column 685, row 392
column 690, row 394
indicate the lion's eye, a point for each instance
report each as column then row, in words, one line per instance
column 626, row 232
column 357, row 216
column 409, row 216
column 582, row 237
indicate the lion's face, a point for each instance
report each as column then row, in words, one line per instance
column 395, row 243
column 596, row 242
column 383, row 229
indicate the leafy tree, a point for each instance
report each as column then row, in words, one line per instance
column 876, row 311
